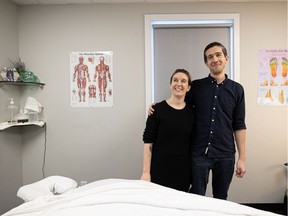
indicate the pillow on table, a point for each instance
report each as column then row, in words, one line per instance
column 48, row 186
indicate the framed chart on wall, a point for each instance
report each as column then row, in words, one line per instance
column 91, row 79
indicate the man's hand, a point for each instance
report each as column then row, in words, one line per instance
column 150, row 109
column 240, row 169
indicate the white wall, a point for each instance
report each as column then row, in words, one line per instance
column 10, row 140
column 267, row 126
column 85, row 143
column 96, row 143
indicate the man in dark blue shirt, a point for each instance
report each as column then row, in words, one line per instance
column 219, row 106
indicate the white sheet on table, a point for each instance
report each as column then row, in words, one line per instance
column 131, row 197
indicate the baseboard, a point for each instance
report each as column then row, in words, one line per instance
column 278, row 208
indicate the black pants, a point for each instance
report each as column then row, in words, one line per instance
column 222, row 173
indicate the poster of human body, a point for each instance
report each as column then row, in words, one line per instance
column 273, row 80
column 91, row 75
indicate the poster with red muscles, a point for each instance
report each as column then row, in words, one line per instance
column 91, row 79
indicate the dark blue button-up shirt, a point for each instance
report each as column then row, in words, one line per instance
column 219, row 111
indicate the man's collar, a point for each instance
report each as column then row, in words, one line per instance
column 212, row 79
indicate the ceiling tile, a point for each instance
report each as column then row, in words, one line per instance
column 25, row 2
column 117, row 1
column 52, row 2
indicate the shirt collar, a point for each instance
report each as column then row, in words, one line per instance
column 213, row 80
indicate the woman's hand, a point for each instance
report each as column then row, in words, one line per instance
column 146, row 177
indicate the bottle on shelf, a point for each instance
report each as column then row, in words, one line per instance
column 12, row 108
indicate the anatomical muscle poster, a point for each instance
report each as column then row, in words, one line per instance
column 91, row 79
column 273, row 80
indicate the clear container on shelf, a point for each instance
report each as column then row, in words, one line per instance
column 12, row 109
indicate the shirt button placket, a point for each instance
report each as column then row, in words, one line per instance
column 212, row 124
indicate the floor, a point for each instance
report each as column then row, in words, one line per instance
column 277, row 208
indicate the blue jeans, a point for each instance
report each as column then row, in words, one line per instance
column 222, row 173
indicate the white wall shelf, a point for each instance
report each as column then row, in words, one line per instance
column 6, row 125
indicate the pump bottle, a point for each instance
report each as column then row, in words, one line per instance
column 12, row 110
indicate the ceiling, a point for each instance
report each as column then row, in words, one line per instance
column 57, row 2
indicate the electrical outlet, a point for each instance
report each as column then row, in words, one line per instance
column 83, row 183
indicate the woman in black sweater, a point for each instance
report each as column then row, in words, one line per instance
column 166, row 157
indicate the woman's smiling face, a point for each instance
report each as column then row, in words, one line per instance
column 179, row 84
